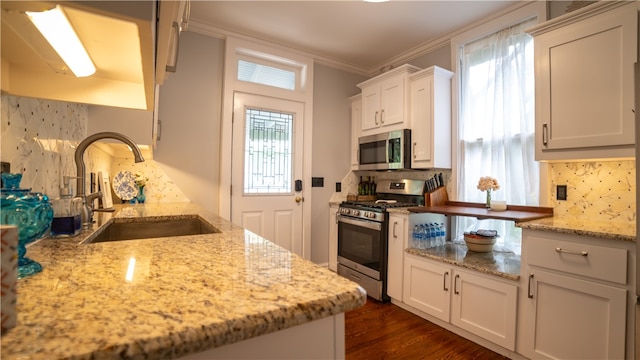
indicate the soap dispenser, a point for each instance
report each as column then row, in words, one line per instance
column 67, row 212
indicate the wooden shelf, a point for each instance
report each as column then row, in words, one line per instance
column 477, row 210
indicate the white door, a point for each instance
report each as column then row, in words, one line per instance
column 266, row 165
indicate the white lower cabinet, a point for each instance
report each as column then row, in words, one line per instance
column 574, row 298
column 471, row 301
column 333, row 237
column 398, row 233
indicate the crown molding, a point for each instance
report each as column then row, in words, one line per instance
column 395, row 61
column 221, row 33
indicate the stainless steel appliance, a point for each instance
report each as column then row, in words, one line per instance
column 362, row 234
column 386, row 151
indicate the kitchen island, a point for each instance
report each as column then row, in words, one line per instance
column 171, row 297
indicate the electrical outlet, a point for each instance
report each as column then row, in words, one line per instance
column 338, row 187
column 561, row 192
column 317, row 182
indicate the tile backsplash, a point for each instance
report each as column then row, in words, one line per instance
column 39, row 138
column 598, row 190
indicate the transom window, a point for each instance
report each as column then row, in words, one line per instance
column 266, row 75
column 268, row 152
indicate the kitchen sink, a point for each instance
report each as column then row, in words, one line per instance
column 128, row 229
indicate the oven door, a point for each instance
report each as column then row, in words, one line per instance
column 361, row 245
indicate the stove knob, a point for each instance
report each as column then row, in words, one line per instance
column 371, row 215
column 355, row 212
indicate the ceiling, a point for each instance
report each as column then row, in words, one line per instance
column 354, row 34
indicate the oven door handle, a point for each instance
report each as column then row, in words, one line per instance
column 362, row 223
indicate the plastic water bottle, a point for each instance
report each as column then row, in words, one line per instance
column 424, row 236
column 443, row 234
column 416, row 236
column 429, row 231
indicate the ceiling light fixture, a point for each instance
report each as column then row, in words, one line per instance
column 55, row 27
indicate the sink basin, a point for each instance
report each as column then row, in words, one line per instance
column 132, row 229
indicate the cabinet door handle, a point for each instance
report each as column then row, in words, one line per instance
column 455, row 285
column 444, row 281
column 375, row 118
column 570, row 252
column 545, row 134
column 529, row 293
column 394, row 229
column 382, row 116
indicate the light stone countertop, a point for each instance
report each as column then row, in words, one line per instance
column 505, row 264
column 187, row 294
column 611, row 230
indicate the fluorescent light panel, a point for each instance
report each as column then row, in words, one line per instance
column 55, row 27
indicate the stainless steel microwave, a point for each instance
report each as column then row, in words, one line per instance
column 386, row 151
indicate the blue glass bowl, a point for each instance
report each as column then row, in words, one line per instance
column 31, row 212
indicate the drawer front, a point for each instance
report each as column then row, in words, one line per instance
column 592, row 261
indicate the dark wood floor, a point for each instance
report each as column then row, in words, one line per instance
column 385, row 331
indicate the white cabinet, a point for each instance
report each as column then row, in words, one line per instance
column 574, row 298
column 139, row 125
column 333, row 237
column 173, row 17
column 431, row 118
column 118, row 35
column 485, row 307
column 356, row 123
column 398, row 234
column 428, row 286
column 481, row 305
column 584, row 71
column 385, row 101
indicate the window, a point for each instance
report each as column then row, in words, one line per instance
column 268, row 152
column 266, row 75
column 496, row 124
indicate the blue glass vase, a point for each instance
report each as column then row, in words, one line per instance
column 141, row 197
column 31, row 212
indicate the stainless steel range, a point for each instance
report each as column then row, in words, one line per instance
column 362, row 234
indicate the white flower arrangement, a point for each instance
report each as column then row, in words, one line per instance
column 488, row 183
column 141, row 180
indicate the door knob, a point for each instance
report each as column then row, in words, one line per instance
column 299, row 199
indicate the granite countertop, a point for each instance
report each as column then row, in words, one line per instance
column 186, row 294
column 499, row 262
column 612, row 230
column 505, row 263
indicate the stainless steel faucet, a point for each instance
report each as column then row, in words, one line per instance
column 87, row 209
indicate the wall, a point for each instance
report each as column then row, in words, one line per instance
column 331, row 147
column 190, row 101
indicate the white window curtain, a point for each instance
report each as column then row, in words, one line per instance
column 496, row 125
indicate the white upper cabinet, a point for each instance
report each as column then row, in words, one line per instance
column 118, row 36
column 356, row 121
column 385, row 103
column 430, row 99
column 173, row 17
column 584, row 71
